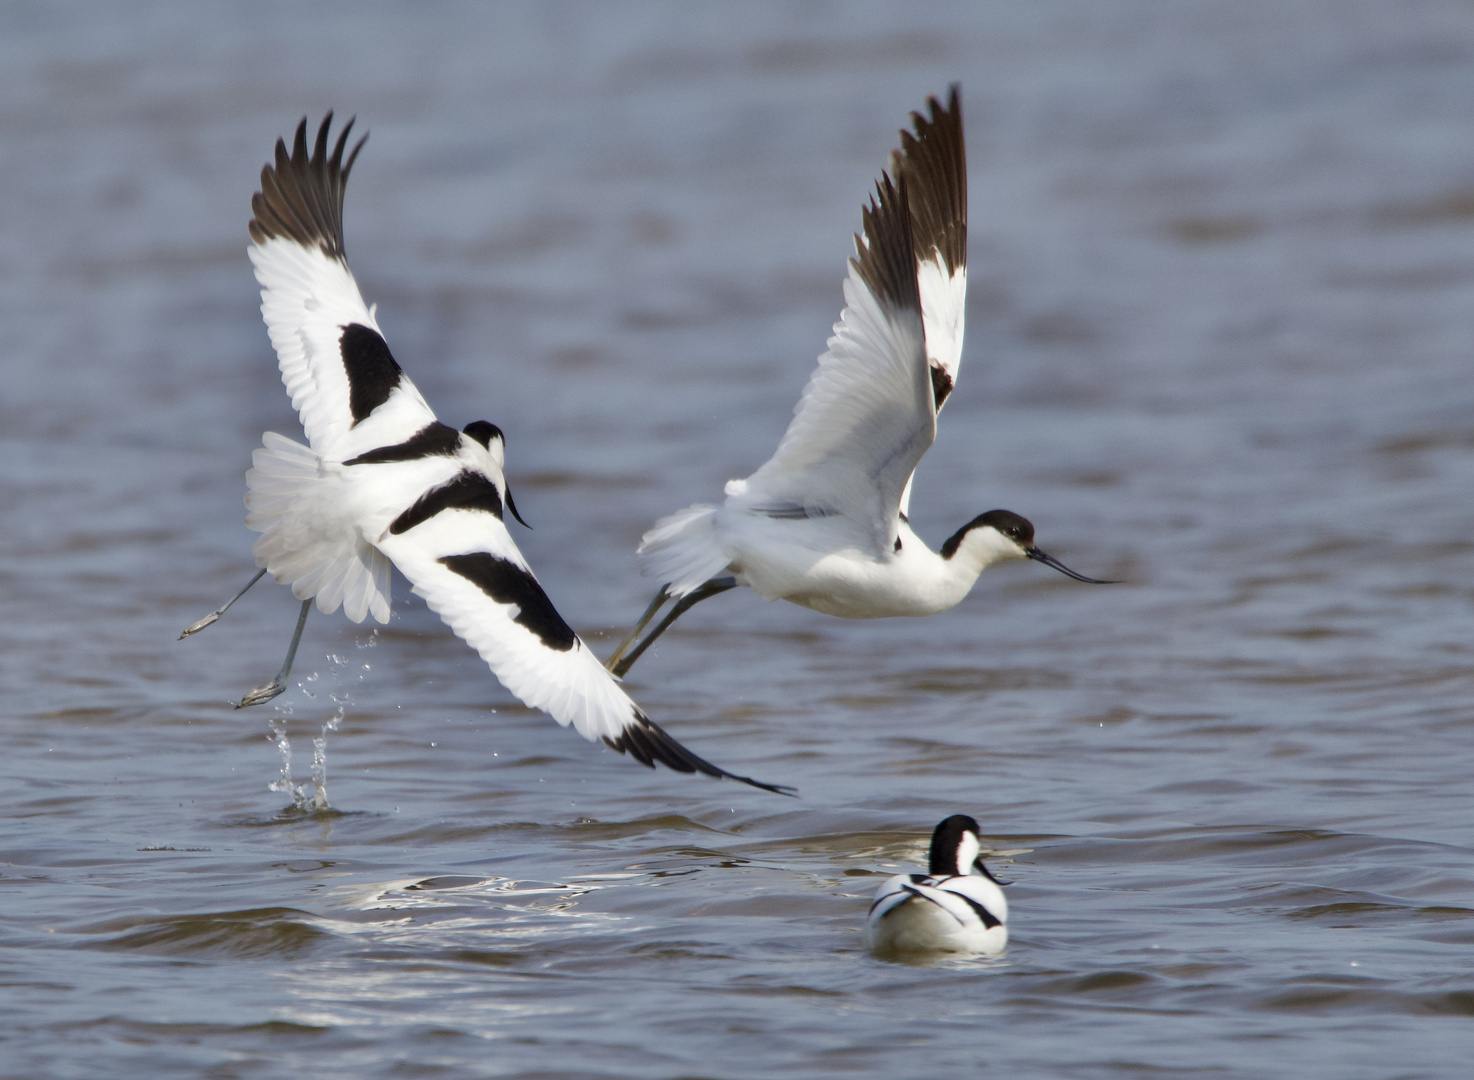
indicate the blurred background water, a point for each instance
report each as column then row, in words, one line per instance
column 1222, row 265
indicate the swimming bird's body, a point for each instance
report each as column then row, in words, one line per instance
column 956, row 907
column 383, row 481
column 823, row 523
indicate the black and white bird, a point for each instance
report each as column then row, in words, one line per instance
column 383, row 481
column 824, row 523
column 957, row 906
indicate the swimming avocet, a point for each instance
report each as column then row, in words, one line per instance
column 384, row 481
column 956, row 907
column 824, row 523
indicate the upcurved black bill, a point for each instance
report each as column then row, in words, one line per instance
column 513, row 507
column 1050, row 561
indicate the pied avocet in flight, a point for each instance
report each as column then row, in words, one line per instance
column 824, row 523
column 382, row 480
column 957, row 906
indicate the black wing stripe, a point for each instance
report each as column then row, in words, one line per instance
column 371, row 369
column 922, row 896
column 989, row 919
column 793, row 512
column 915, row 879
column 919, row 895
column 466, row 491
column 434, row 439
column 301, row 196
column 507, row 583
column 647, row 742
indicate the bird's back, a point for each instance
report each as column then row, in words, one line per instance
column 914, row 912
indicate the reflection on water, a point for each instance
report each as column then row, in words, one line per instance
column 1218, row 346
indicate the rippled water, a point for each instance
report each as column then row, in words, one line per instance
column 1218, row 345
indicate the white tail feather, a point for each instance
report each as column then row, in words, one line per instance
column 682, row 550
column 319, row 558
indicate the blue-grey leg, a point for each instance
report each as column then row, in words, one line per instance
column 655, row 605
column 710, row 589
column 195, row 628
column 263, row 694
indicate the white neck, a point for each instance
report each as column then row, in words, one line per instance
column 967, row 853
column 952, row 579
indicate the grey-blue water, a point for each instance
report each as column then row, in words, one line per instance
column 1219, row 345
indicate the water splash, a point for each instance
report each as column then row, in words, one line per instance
column 311, row 795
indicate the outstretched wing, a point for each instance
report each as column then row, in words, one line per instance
column 343, row 381
column 867, row 414
column 369, row 425
column 934, row 163
column 456, row 552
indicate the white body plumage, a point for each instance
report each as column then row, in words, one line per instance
column 957, row 907
column 384, row 481
column 823, row 523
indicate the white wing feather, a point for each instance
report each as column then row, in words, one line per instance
column 570, row 684
column 307, row 298
column 379, row 461
column 863, row 422
column 934, row 162
column 943, row 313
column 524, row 640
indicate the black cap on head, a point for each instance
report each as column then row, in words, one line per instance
column 483, row 432
column 1016, row 528
column 944, row 841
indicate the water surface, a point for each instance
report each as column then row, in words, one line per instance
column 1222, row 265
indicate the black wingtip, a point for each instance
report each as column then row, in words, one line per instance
column 647, row 742
column 934, row 160
column 884, row 257
column 301, row 194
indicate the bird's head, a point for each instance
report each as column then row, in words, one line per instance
column 1001, row 535
column 491, row 437
column 956, row 850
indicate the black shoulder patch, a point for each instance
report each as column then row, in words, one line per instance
column 434, row 439
column 941, row 385
column 301, row 198
column 507, row 583
column 466, row 491
column 372, row 372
